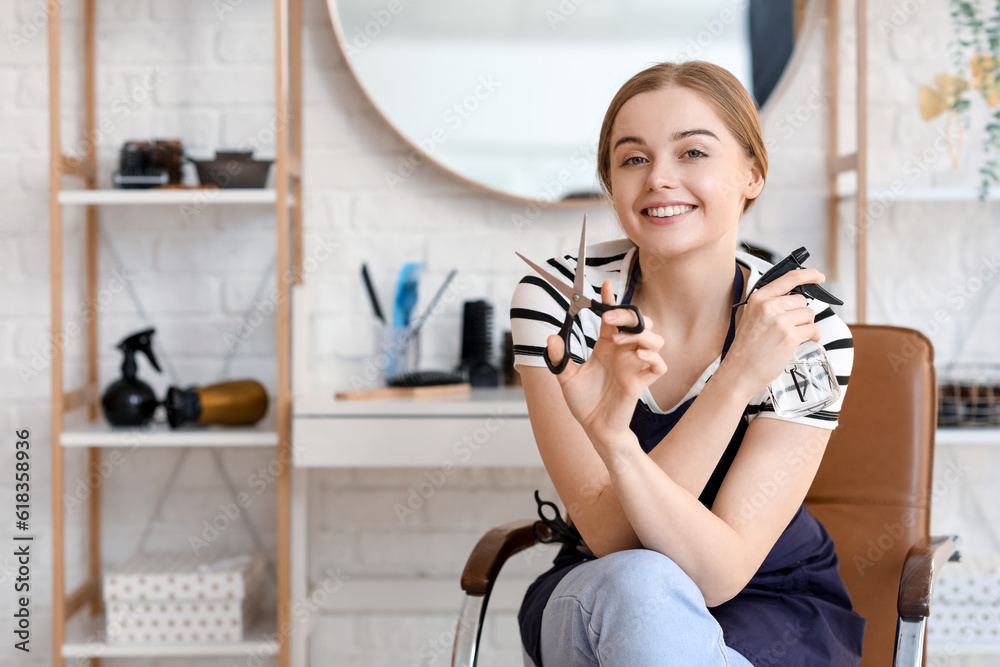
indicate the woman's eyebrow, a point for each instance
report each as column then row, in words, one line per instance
column 633, row 140
column 676, row 137
column 688, row 133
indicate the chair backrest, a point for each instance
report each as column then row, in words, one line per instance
column 873, row 488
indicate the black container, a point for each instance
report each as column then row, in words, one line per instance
column 129, row 401
column 233, row 169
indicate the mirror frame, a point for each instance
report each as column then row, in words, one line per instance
column 806, row 25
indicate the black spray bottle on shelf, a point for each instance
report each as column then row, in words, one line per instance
column 129, row 401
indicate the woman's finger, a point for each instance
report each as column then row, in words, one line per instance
column 654, row 366
column 620, row 317
column 792, row 301
column 786, row 283
column 556, row 350
column 608, row 328
column 648, row 339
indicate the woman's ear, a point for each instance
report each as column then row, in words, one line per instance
column 755, row 184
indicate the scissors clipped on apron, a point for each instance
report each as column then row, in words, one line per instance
column 549, row 530
column 578, row 302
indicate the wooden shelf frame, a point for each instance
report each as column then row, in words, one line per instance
column 286, row 198
column 858, row 160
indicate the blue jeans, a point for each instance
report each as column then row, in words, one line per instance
column 636, row 608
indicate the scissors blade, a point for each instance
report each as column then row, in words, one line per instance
column 563, row 288
column 581, row 261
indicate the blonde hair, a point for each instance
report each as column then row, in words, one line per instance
column 717, row 86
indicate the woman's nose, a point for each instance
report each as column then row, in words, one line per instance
column 661, row 174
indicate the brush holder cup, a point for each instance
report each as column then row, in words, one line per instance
column 398, row 352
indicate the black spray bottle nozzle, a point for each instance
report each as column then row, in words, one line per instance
column 791, row 263
column 141, row 341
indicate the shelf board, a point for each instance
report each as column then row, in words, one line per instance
column 938, row 193
column 968, row 436
column 101, row 434
column 86, row 638
column 920, row 194
column 954, row 646
column 198, row 197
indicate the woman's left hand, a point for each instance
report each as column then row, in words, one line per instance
column 602, row 393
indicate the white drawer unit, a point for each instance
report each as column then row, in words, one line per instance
column 487, row 428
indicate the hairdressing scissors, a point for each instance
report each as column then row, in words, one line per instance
column 577, row 301
column 558, row 530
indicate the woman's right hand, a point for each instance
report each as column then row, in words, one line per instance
column 773, row 325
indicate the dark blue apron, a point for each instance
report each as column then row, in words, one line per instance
column 794, row 612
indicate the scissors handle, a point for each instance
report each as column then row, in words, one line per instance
column 564, row 334
column 601, row 308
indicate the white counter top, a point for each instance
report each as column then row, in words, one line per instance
column 507, row 401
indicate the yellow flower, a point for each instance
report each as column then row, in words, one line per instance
column 984, row 73
column 949, row 89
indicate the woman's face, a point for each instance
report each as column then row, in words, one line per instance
column 675, row 190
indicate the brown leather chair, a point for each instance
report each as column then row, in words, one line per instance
column 872, row 493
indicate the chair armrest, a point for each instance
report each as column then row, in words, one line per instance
column 923, row 561
column 493, row 550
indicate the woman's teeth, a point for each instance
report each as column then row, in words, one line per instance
column 667, row 211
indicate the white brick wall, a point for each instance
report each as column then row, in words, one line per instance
column 196, row 278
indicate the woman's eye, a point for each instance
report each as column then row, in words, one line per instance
column 695, row 150
column 628, row 161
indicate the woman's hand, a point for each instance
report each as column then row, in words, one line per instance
column 773, row 325
column 602, row 393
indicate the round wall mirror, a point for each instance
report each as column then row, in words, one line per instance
column 510, row 95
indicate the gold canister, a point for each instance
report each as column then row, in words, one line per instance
column 234, row 403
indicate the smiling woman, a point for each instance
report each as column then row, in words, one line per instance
column 692, row 563
column 551, row 65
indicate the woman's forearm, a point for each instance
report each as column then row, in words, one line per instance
column 669, row 519
column 688, row 455
column 692, row 449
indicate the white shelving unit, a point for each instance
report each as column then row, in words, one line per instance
column 77, row 615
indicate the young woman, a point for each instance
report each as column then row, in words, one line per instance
column 703, row 552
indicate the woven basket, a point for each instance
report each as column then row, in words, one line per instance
column 969, row 395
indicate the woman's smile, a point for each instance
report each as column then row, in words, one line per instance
column 667, row 215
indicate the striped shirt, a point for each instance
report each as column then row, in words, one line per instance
column 537, row 310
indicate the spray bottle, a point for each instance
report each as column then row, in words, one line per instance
column 129, row 401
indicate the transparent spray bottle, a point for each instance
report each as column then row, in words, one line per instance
column 808, row 382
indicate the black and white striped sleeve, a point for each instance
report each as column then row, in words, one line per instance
column 838, row 342
column 537, row 310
